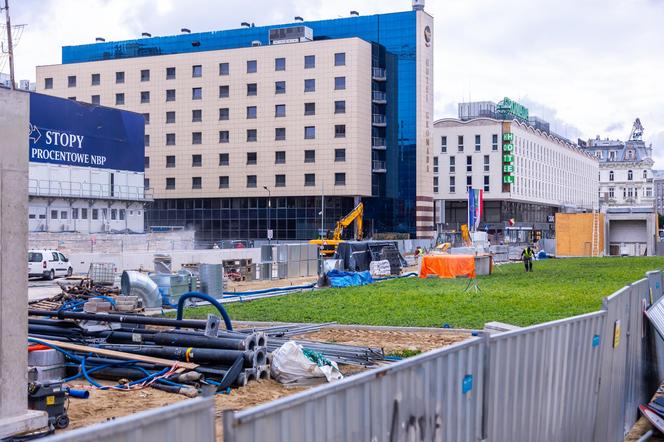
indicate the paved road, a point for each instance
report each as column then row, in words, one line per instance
column 41, row 288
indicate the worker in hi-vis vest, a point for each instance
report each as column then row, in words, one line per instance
column 527, row 255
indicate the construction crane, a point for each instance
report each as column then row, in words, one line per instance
column 329, row 246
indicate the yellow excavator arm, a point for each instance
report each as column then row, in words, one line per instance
column 354, row 215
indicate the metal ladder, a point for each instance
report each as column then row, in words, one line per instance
column 594, row 248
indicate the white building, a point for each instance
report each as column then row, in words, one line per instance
column 527, row 173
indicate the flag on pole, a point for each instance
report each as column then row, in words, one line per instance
column 475, row 208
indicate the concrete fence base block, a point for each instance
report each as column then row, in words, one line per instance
column 495, row 327
column 28, row 422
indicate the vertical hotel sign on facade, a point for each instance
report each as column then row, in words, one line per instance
column 508, row 157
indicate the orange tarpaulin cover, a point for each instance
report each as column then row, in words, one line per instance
column 448, row 266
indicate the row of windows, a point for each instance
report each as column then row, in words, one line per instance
column 628, row 192
column 469, row 183
column 116, row 214
column 460, row 141
column 469, row 164
column 630, row 175
column 224, row 91
column 252, row 135
column 197, row 70
column 251, row 181
column 252, row 158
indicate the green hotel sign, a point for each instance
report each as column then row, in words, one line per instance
column 508, row 158
column 507, row 106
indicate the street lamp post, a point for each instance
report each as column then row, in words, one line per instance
column 269, row 207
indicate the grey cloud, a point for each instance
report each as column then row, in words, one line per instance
column 549, row 114
column 616, row 126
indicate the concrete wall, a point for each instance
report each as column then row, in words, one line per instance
column 113, row 243
column 574, row 233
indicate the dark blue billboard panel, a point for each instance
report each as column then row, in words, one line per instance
column 67, row 132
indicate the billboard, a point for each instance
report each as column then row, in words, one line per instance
column 68, row 132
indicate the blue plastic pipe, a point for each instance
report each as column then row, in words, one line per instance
column 204, row 297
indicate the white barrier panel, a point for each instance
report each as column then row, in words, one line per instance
column 436, row 396
column 190, row 420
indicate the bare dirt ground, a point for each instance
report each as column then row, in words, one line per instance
column 243, row 286
column 107, row 405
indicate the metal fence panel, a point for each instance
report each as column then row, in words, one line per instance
column 542, row 381
column 434, row 396
column 190, row 420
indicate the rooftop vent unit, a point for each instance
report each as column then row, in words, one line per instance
column 100, row 39
column 244, row 24
column 256, row 43
column 354, row 13
column 298, row 18
column 293, row 34
column 146, row 34
column 185, row 31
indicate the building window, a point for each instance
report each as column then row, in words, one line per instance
column 95, row 80
column 469, row 163
column 435, row 164
column 170, row 161
column 224, row 68
column 309, row 156
column 170, row 117
column 649, row 192
column 339, row 131
column 630, row 175
column 145, row 75
column 612, row 155
column 48, row 83
column 469, row 181
column 251, row 112
column 252, row 89
column 146, row 117
column 223, row 159
column 610, row 175
column 119, row 77
column 170, row 139
column 146, row 163
column 279, row 64
column 119, row 99
column 612, row 192
column 197, row 71
column 251, row 66
column 224, row 91
column 443, row 144
column 145, row 97
column 196, row 137
column 196, row 115
column 252, row 158
column 252, row 135
column 309, row 179
column 309, row 85
column 84, row 213
column 223, row 182
column 251, row 180
column 223, row 113
column 460, row 143
column 114, row 214
column 435, row 184
column 196, row 182
column 452, row 164
column 309, row 132
column 170, row 185
column 486, row 183
column 280, row 157
column 486, row 163
column 54, row 214
column 309, row 61
column 478, row 143
column 71, row 81
column 280, row 180
column 223, row 136
column 71, row 98
column 170, row 95
column 340, row 107
column 279, row 110
column 452, row 184
column 197, row 160
column 170, row 73
column 122, row 214
column 146, row 140
column 645, row 174
column 340, row 59
column 196, row 93
column 494, row 142
column 339, row 155
column 96, row 100
column 279, row 87
column 309, row 108
column 74, row 213
column 339, row 179
column 339, row 83
column 279, row 133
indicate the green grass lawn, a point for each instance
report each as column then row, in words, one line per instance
column 557, row 288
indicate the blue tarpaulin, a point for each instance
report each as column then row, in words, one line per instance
column 349, row 279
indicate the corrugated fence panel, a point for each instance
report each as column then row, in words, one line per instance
column 435, row 396
column 656, row 343
column 190, row 420
column 542, row 381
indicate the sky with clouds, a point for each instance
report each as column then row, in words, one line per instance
column 589, row 67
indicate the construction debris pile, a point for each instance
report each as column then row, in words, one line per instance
column 88, row 296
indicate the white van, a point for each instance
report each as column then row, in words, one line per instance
column 48, row 264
